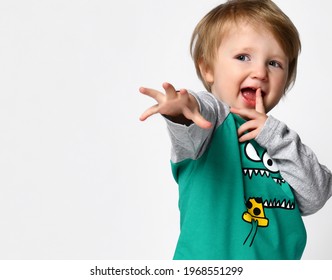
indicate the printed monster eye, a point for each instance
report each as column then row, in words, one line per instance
column 270, row 164
column 251, row 152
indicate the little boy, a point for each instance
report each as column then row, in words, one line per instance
column 245, row 179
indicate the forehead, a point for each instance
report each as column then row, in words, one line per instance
column 245, row 30
column 244, row 26
column 246, row 34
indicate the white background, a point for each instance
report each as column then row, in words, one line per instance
column 80, row 176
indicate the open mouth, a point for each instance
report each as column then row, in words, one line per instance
column 249, row 95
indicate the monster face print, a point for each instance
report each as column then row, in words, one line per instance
column 266, row 188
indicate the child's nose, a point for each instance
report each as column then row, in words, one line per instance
column 259, row 71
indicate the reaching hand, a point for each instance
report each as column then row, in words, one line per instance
column 174, row 104
column 256, row 119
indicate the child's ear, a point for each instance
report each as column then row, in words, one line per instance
column 206, row 72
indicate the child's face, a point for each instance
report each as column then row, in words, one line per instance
column 247, row 59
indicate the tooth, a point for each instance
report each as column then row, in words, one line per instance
column 283, row 204
column 245, row 171
column 250, row 172
column 256, row 171
column 291, row 205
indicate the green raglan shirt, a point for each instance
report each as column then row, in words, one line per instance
column 234, row 204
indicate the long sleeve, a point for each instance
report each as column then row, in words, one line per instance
column 311, row 181
column 191, row 141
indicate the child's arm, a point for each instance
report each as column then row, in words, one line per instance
column 190, row 119
column 299, row 166
column 178, row 106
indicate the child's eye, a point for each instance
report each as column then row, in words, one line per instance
column 243, row 57
column 275, row 64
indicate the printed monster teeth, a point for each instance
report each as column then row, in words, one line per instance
column 278, row 180
column 288, row 205
column 262, row 172
column 279, row 204
column 250, row 172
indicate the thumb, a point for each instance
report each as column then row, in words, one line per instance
column 259, row 102
column 197, row 118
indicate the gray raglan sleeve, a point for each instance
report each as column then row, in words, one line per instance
column 311, row 181
column 190, row 142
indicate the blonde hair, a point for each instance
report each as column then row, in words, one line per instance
column 209, row 32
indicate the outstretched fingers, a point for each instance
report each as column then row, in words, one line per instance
column 155, row 94
column 180, row 105
column 149, row 112
column 170, row 90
